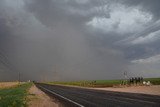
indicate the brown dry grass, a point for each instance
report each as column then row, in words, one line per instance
column 37, row 98
column 7, row 84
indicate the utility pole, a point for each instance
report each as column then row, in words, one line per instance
column 19, row 77
column 56, row 69
column 125, row 76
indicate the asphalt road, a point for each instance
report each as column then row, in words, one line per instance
column 74, row 97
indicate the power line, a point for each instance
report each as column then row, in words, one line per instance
column 5, row 61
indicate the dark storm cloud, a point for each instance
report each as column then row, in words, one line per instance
column 73, row 39
column 48, row 41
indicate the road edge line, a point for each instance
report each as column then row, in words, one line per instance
column 63, row 97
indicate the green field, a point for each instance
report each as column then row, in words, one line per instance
column 95, row 83
column 102, row 83
column 15, row 96
column 154, row 81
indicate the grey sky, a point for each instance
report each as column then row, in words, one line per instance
column 79, row 39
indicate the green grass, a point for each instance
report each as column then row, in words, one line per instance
column 154, row 81
column 96, row 83
column 102, row 83
column 15, row 96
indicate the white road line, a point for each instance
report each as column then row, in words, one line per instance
column 63, row 97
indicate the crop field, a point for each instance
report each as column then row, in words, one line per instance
column 8, row 84
column 15, row 96
column 95, row 83
column 102, row 83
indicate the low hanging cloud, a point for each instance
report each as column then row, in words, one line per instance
column 148, row 67
column 77, row 40
column 47, row 44
column 153, row 59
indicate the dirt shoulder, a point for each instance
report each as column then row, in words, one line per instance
column 37, row 98
column 153, row 90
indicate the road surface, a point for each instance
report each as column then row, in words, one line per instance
column 81, row 97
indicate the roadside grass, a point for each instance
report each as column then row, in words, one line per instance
column 15, row 96
column 101, row 83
